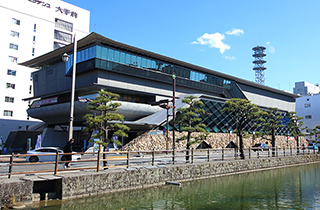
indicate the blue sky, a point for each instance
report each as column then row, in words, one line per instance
column 219, row 34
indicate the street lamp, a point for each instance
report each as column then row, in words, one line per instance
column 173, row 110
column 65, row 58
column 164, row 104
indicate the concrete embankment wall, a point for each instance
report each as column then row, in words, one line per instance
column 90, row 183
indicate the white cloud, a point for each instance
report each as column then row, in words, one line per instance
column 235, row 31
column 213, row 40
column 268, row 43
column 229, row 57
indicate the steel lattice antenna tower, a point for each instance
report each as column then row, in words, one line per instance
column 258, row 64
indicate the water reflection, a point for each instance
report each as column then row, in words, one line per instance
column 289, row 188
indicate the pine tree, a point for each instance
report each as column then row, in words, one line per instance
column 271, row 120
column 295, row 126
column 105, row 118
column 190, row 117
column 243, row 112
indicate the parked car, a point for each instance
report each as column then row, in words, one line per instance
column 260, row 147
column 47, row 158
column 312, row 146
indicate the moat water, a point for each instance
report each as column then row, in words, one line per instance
column 287, row 188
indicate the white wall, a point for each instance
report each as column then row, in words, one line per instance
column 303, row 110
column 30, row 12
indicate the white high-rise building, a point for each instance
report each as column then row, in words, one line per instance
column 30, row 28
column 305, row 88
column 308, row 108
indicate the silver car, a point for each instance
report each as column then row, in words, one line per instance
column 51, row 155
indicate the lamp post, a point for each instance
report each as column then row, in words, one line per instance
column 173, row 111
column 65, row 59
column 164, row 104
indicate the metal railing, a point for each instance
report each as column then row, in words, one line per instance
column 97, row 161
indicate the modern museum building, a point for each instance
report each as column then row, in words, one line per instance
column 139, row 77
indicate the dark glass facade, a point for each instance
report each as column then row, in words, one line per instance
column 109, row 58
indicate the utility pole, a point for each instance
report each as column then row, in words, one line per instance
column 173, row 111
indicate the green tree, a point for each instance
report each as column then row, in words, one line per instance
column 295, row 126
column 243, row 112
column 105, row 118
column 190, row 117
column 316, row 131
column 270, row 121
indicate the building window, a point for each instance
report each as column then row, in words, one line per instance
column 11, row 72
column 13, row 46
column 11, row 86
column 13, row 59
column 33, row 51
column 15, row 21
column 30, row 89
column 63, row 25
column 307, row 105
column 34, row 27
column 34, row 39
column 57, row 45
column 62, row 36
column 308, row 117
column 9, row 99
column 8, row 113
column 14, row 34
column 308, row 130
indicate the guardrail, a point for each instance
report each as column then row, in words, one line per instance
column 123, row 159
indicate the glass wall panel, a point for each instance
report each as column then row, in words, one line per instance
column 98, row 51
column 92, row 52
column 122, row 57
column 153, row 65
column 110, row 54
column 133, row 60
column 128, row 59
column 87, row 53
column 148, row 64
column 139, row 61
column 79, row 56
column 144, row 63
column 159, row 65
column 104, row 54
column 116, row 56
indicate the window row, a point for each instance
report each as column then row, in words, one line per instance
column 8, row 113
column 63, row 25
column 13, row 46
column 9, row 99
column 15, row 21
column 11, row 86
column 15, row 34
column 307, row 105
column 11, row 72
column 62, row 36
column 109, row 54
column 57, row 45
column 13, row 59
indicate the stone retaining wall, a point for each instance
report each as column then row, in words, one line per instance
column 96, row 183
column 15, row 191
column 215, row 140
